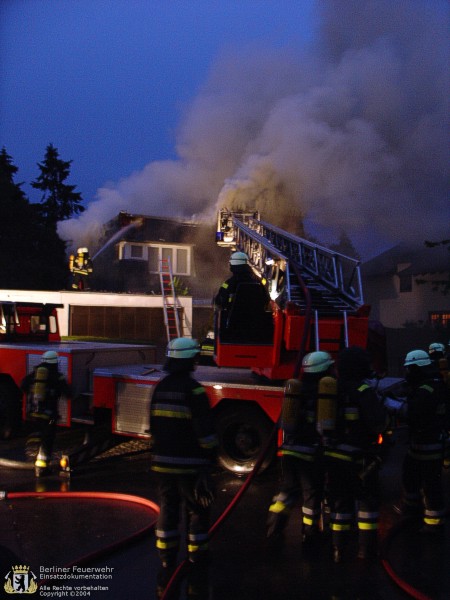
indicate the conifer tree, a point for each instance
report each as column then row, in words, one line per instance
column 59, row 200
column 32, row 255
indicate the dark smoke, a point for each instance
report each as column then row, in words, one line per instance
column 351, row 134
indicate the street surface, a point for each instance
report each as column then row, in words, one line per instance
column 47, row 533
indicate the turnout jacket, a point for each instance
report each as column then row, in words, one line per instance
column 300, row 436
column 181, row 425
column 361, row 417
column 45, row 385
column 426, row 411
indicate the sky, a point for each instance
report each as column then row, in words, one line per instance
column 333, row 110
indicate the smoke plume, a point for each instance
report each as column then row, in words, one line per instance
column 349, row 134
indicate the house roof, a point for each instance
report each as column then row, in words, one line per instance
column 145, row 228
column 417, row 260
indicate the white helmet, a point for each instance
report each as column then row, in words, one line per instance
column 238, row 258
column 417, row 357
column 436, row 347
column 182, row 348
column 316, row 362
column 50, row 357
column 82, row 251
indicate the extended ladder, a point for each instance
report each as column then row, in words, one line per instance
column 333, row 279
column 171, row 316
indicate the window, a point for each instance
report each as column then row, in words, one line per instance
column 137, row 251
column 179, row 256
column 440, row 319
column 130, row 251
column 405, row 282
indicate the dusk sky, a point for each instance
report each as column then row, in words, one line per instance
column 336, row 107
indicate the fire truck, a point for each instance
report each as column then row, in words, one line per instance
column 27, row 330
column 316, row 303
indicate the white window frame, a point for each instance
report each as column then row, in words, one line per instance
column 125, row 254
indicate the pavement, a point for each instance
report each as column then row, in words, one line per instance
column 96, row 548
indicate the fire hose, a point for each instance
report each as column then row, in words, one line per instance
column 137, row 535
column 183, row 567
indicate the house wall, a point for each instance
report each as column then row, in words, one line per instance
column 395, row 309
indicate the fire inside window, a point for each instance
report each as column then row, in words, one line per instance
column 440, row 319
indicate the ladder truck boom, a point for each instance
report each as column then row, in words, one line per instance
column 300, row 276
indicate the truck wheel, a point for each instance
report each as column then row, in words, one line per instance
column 243, row 433
column 10, row 407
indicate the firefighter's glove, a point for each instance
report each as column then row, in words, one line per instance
column 204, row 491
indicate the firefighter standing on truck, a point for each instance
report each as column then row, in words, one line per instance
column 45, row 386
column 352, row 456
column 183, row 454
column 301, row 456
column 425, row 412
column 242, row 273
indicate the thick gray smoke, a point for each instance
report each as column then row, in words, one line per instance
column 351, row 134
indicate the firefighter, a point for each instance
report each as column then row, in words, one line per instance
column 183, row 455
column 241, row 273
column 352, row 456
column 436, row 352
column 301, row 460
column 45, row 386
column 425, row 412
column 81, row 267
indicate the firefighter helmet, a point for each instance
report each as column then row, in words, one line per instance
column 436, row 347
column 82, row 251
column 417, row 357
column 316, row 362
column 182, row 348
column 50, row 357
column 238, row 258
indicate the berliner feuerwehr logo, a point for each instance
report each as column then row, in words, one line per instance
column 20, row 580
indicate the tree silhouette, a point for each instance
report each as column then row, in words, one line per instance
column 59, row 200
column 32, row 255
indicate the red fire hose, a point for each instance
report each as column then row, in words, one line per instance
column 153, row 508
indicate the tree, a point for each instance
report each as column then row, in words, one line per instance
column 345, row 246
column 59, row 200
column 32, row 255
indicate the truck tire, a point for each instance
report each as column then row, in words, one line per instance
column 10, row 407
column 243, row 433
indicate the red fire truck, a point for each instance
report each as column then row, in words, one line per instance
column 317, row 303
column 27, row 330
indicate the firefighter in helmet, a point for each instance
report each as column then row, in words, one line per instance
column 183, row 456
column 241, row 273
column 437, row 355
column 81, row 267
column 353, row 458
column 45, row 386
column 301, row 457
column 248, row 322
column 422, row 490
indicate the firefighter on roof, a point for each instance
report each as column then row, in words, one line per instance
column 183, row 455
column 422, row 491
column 45, row 386
column 301, row 459
column 352, row 456
column 81, row 267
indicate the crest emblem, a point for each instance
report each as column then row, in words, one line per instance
column 20, row 580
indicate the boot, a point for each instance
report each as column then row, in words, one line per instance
column 276, row 522
column 337, row 554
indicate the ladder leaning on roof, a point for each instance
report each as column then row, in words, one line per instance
column 171, row 316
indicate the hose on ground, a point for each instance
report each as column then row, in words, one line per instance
column 119, row 544
column 183, row 567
